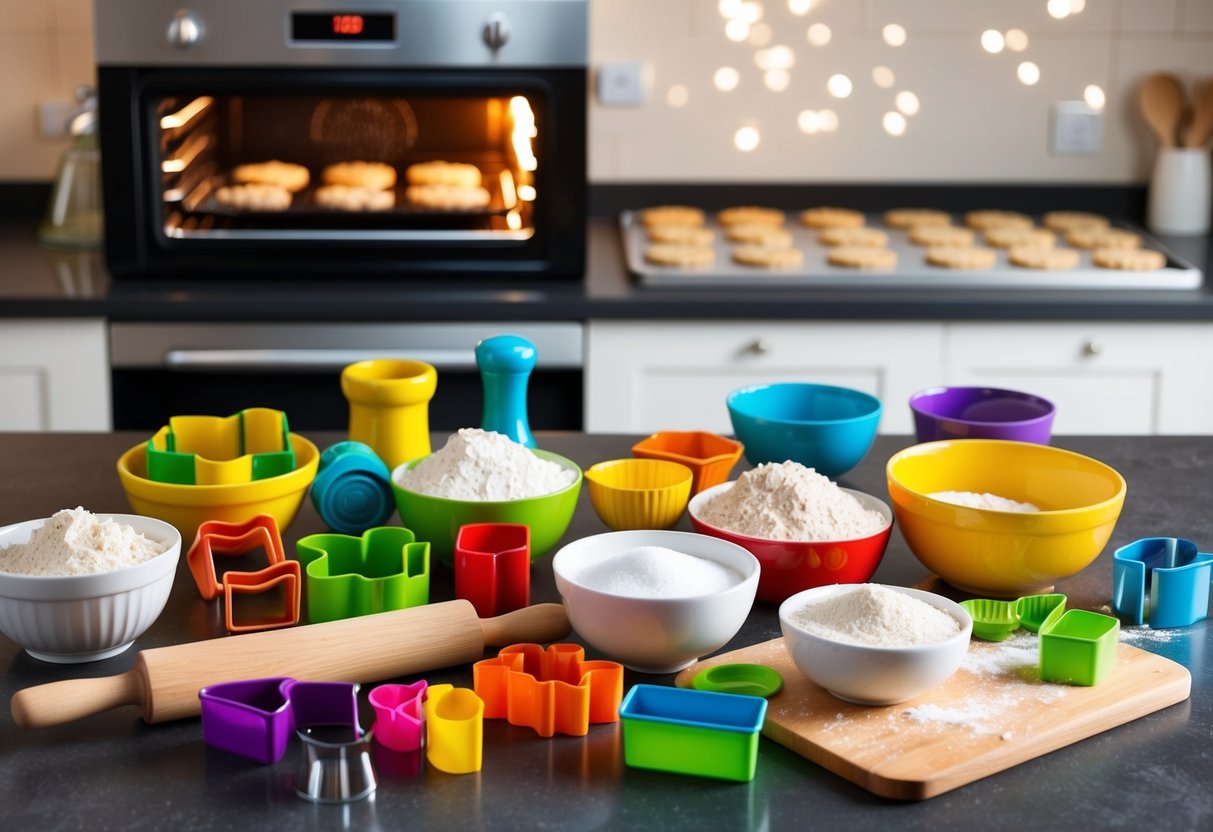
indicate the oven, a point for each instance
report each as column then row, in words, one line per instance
column 412, row 140
column 160, row 370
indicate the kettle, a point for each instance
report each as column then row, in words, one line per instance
column 73, row 217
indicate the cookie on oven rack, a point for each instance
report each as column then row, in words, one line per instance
column 374, row 175
column 438, row 172
column 447, row 197
column 253, row 196
column 347, row 198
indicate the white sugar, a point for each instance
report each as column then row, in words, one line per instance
column 655, row 572
column 876, row 616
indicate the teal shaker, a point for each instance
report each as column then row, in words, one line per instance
column 505, row 363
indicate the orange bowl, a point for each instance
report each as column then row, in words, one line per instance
column 710, row 456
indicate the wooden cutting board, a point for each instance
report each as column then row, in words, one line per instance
column 993, row 714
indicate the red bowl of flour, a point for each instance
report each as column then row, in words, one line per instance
column 790, row 566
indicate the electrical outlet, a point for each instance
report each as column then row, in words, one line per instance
column 1075, row 129
column 621, row 84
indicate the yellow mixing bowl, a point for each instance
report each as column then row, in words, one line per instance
column 188, row 506
column 639, row 493
column 1003, row 553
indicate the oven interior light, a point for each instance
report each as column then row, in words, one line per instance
column 183, row 116
column 187, row 155
column 527, row 193
column 509, row 195
column 514, row 220
column 524, row 130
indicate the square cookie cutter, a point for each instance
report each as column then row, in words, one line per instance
column 493, row 567
column 218, row 538
column 553, row 690
column 1163, row 581
column 385, row 569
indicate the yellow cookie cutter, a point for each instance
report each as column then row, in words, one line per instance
column 253, row 444
column 454, row 729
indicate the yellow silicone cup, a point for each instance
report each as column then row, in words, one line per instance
column 389, row 406
column 454, row 729
column 639, row 493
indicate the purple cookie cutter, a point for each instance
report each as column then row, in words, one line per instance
column 399, row 715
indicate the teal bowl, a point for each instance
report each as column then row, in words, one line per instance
column 438, row 519
column 820, row 426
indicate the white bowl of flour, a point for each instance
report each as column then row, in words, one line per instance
column 873, row 644
column 656, row 600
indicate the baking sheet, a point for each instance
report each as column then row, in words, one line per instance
column 912, row 270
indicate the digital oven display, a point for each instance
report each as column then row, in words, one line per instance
column 343, row 26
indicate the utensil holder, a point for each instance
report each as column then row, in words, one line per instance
column 389, row 406
column 1180, row 189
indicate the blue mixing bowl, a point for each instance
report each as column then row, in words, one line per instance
column 818, row 425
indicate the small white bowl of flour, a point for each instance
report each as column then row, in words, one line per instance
column 873, row 644
column 78, row 587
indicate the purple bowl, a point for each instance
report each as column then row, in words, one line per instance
column 981, row 413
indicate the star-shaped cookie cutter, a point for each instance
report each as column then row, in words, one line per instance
column 386, row 568
column 1163, row 579
column 553, row 690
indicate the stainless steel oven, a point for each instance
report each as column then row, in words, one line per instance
column 413, row 139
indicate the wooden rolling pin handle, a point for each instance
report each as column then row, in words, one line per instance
column 58, row 703
column 539, row 623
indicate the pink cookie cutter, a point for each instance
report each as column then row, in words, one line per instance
column 399, row 715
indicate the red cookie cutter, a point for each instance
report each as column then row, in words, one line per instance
column 493, row 567
column 551, row 690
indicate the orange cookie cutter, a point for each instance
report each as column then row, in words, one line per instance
column 235, row 584
column 217, row 538
column 553, row 690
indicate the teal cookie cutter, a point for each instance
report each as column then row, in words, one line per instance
column 1162, row 580
column 385, row 569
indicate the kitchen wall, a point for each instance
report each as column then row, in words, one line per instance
column 975, row 118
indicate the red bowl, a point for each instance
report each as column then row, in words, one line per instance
column 789, row 566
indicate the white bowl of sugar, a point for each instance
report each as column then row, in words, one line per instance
column 873, row 644
column 656, row 600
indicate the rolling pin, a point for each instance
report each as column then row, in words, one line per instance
column 165, row 681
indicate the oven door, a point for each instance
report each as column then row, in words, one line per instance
column 164, row 370
column 333, row 171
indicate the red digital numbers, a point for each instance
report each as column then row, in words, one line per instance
column 347, row 24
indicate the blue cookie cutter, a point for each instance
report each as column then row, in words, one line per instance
column 1174, row 573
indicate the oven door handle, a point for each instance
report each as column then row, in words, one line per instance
column 305, row 360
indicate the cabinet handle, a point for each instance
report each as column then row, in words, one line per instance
column 759, row 346
column 1093, row 347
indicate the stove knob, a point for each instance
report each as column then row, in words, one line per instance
column 185, row 29
column 496, row 30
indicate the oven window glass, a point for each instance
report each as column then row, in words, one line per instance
column 428, row 167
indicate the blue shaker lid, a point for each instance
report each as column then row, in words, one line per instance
column 506, row 354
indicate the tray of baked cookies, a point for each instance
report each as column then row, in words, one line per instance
column 829, row 247
column 427, row 189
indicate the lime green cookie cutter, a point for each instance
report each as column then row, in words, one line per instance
column 1079, row 647
column 253, row 444
column 385, row 569
column 997, row 620
column 740, row 678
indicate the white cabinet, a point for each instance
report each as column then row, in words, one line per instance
column 1105, row 378
column 54, row 374
column 643, row 376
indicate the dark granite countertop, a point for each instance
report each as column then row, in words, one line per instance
column 41, row 282
column 112, row 771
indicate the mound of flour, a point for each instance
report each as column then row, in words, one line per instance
column 787, row 501
column 876, row 616
column 77, row 542
column 484, row 466
column 972, row 499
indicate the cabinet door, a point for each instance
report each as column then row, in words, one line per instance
column 643, row 376
column 1104, row 378
column 54, row 375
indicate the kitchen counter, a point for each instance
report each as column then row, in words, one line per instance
column 39, row 282
column 113, row 771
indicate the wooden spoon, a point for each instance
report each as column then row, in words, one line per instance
column 1161, row 99
column 1200, row 129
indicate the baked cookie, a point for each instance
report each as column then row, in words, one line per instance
column 862, row 257
column 671, row 215
column 763, row 235
column 750, row 215
column 446, row 197
column 1049, row 258
column 985, row 220
column 1096, row 237
column 672, row 254
column 941, row 235
column 826, row 217
column 1064, row 221
column 853, row 237
column 962, row 257
column 916, row 217
column 772, row 257
column 361, row 175
column 1012, row 236
column 346, row 198
column 687, row 235
column 288, row 175
column 1137, row 259
column 254, row 197
column 457, row 174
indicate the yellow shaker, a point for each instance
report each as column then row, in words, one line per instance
column 454, row 729
column 389, row 406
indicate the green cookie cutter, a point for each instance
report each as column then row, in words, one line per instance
column 997, row 620
column 386, row 568
column 740, row 678
column 253, row 444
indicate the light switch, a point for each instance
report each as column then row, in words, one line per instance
column 621, row 84
column 1075, row 129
